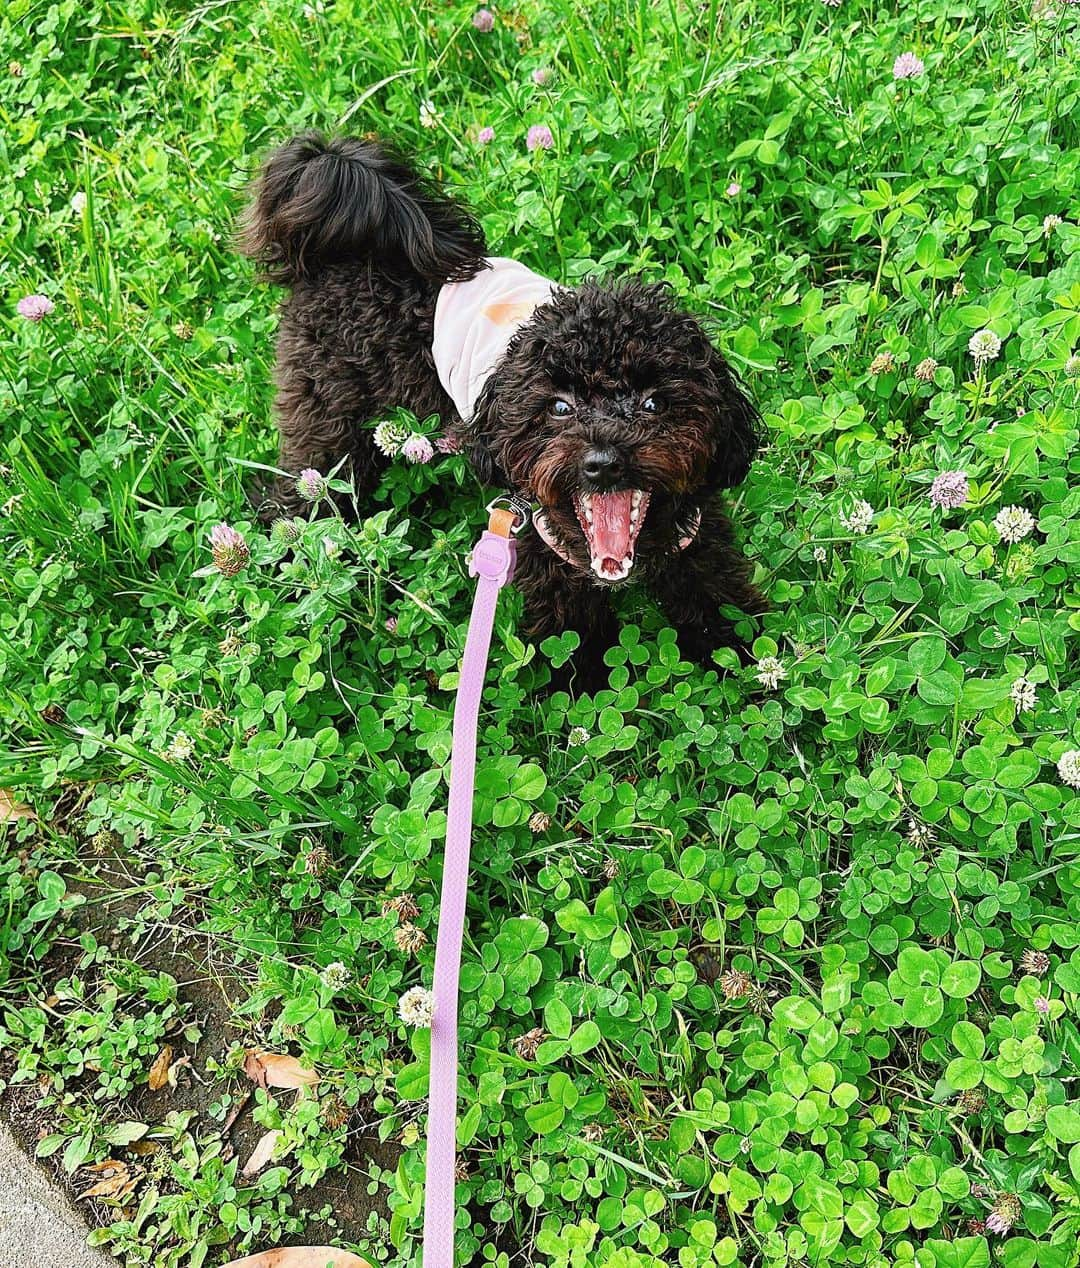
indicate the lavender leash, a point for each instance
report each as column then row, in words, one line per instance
column 492, row 563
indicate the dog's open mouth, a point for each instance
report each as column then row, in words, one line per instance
column 611, row 523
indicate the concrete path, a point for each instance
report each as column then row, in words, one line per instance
column 38, row 1225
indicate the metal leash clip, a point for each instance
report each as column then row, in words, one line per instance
column 511, row 502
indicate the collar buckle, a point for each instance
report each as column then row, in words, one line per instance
column 521, row 510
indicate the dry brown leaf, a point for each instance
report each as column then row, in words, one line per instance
column 11, row 809
column 176, row 1067
column 235, row 1113
column 262, row 1153
column 117, row 1180
column 277, row 1069
column 159, row 1071
column 302, row 1257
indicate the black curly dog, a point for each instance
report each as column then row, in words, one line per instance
column 610, row 409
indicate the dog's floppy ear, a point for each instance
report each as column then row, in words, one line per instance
column 736, row 437
column 479, row 437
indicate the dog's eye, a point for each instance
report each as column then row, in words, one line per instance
column 560, row 408
column 650, row 405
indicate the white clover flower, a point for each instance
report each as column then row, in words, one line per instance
column 181, row 747
column 78, row 202
column 919, row 834
column 1013, row 524
column 908, row 66
column 1023, row 695
column 820, row 554
column 418, row 450
column 389, row 437
column 336, row 976
column 578, row 736
column 311, row 485
column 429, row 116
column 1072, row 367
column 330, row 548
column 984, row 346
column 416, row 1007
column 769, row 672
column 860, row 519
column 1069, row 767
column 950, row 490
column 1050, row 223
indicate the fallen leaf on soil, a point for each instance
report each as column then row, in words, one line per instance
column 276, row 1069
column 117, row 1180
column 301, row 1257
column 175, row 1068
column 11, row 809
column 235, row 1113
column 262, row 1153
column 159, row 1071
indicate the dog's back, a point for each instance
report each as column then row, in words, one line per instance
column 364, row 244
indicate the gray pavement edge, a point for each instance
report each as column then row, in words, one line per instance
column 38, row 1225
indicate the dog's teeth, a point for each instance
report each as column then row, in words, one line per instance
column 636, row 499
column 633, row 514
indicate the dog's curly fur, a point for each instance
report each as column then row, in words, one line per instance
column 364, row 244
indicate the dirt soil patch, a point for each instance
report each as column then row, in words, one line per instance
column 208, row 988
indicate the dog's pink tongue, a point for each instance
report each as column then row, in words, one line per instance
column 610, row 530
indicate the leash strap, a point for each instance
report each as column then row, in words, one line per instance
column 492, row 563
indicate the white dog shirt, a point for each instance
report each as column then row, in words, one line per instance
column 475, row 321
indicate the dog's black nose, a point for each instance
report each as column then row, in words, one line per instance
column 601, row 463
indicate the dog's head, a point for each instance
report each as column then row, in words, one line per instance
column 613, row 410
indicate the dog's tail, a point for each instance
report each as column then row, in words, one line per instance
column 320, row 202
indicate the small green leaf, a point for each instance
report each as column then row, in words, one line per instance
column 411, row 1083
column 961, row 979
column 545, row 1117
column 558, row 1019
column 1063, row 1123
column 796, row 1012
column 585, row 1038
column 922, row 1006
